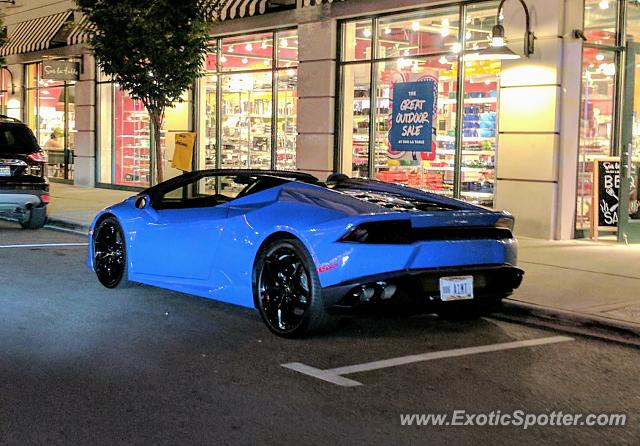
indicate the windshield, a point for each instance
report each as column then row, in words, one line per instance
column 17, row 138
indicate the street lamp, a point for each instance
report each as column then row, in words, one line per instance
column 498, row 49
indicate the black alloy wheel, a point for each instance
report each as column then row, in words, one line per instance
column 287, row 290
column 109, row 253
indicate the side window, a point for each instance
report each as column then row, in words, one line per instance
column 196, row 194
column 231, row 186
column 213, row 191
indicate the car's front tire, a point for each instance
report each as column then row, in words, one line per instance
column 110, row 254
column 33, row 218
column 287, row 292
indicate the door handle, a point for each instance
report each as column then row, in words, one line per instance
column 629, row 159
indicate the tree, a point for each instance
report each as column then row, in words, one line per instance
column 3, row 38
column 154, row 49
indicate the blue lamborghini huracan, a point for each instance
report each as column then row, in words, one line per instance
column 304, row 252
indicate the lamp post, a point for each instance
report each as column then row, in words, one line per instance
column 498, row 48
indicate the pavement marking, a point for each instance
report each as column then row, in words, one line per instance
column 44, row 245
column 334, row 375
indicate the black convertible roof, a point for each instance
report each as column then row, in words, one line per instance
column 197, row 174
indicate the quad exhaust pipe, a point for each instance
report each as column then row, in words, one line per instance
column 376, row 291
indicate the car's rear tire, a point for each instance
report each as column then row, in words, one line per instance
column 110, row 254
column 469, row 309
column 33, row 218
column 287, row 292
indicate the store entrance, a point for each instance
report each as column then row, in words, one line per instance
column 629, row 214
column 57, row 128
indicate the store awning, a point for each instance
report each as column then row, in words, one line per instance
column 81, row 32
column 34, row 35
column 233, row 9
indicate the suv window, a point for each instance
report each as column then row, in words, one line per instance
column 17, row 138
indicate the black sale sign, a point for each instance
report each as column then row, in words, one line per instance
column 608, row 192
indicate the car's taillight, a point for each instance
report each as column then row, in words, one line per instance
column 505, row 222
column 392, row 232
column 44, row 198
column 37, row 157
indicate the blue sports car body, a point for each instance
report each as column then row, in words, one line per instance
column 360, row 240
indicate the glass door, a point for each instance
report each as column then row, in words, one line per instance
column 629, row 214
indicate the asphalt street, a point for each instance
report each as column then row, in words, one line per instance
column 83, row 365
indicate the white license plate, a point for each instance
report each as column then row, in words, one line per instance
column 5, row 171
column 456, row 288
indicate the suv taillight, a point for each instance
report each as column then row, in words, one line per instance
column 38, row 157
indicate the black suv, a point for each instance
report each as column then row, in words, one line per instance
column 24, row 189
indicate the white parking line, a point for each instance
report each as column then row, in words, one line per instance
column 335, row 375
column 44, row 245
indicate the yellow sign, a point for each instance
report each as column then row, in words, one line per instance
column 183, row 153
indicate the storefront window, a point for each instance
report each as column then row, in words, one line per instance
column 252, row 52
column 357, row 40
column 599, row 120
column 5, row 87
column 247, row 118
column 125, row 155
column 480, row 20
column 479, row 130
column 248, row 102
column 600, row 21
column 132, row 141
column 288, row 49
column 286, row 124
column 424, row 32
column 433, row 170
column 50, row 112
column 411, row 48
column 355, row 119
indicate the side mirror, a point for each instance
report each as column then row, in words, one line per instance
column 143, row 202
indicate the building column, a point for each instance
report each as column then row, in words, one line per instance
column 317, row 101
column 535, row 97
column 85, row 152
column 16, row 93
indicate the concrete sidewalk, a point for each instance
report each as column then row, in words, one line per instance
column 74, row 207
column 581, row 282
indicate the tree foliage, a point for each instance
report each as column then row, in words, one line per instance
column 154, row 49
column 3, row 38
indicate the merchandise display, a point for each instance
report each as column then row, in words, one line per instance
column 252, row 90
column 132, row 141
column 403, row 47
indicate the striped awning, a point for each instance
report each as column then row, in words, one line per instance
column 34, row 35
column 235, row 9
column 81, row 32
column 232, row 9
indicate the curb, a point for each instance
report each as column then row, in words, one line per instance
column 573, row 322
column 66, row 225
column 58, row 224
